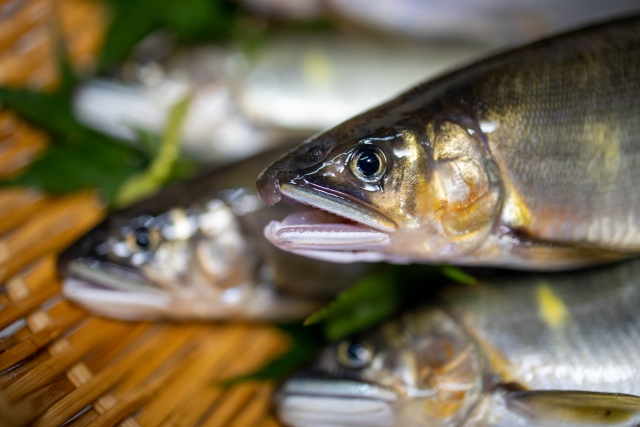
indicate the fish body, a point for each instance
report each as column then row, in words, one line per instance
column 290, row 86
column 527, row 159
column 516, row 350
column 196, row 251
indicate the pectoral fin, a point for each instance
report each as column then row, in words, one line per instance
column 552, row 255
column 581, row 407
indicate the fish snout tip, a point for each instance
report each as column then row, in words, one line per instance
column 268, row 188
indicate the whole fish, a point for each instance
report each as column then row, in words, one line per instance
column 527, row 159
column 519, row 350
column 196, row 251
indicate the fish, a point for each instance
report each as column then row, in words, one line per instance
column 527, row 159
column 518, row 349
column 497, row 22
column 246, row 101
column 196, row 250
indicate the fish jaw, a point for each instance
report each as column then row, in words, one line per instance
column 304, row 402
column 103, row 288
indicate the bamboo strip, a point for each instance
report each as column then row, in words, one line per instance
column 143, row 393
column 9, row 123
column 21, row 308
column 17, row 67
column 60, row 225
column 174, row 338
column 111, row 353
column 83, row 420
column 231, row 403
column 50, row 369
column 20, row 149
column 84, row 26
column 37, row 276
column 95, row 387
column 40, row 339
column 26, row 18
column 269, row 421
column 260, row 348
column 6, row 343
column 46, row 396
column 16, row 206
column 15, row 414
column 212, row 352
column 17, row 372
column 256, row 410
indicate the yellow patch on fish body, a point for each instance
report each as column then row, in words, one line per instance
column 551, row 307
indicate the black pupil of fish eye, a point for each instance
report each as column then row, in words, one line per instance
column 368, row 163
column 142, row 237
column 316, row 155
column 357, row 352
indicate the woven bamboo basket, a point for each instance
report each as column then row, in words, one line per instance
column 59, row 364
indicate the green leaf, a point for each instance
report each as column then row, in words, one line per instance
column 371, row 300
column 454, row 273
column 188, row 20
column 131, row 21
column 78, row 157
column 160, row 170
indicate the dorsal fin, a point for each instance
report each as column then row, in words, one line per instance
column 559, row 406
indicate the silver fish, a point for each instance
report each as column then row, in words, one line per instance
column 515, row 350
column 289, row 86
column 526, row 159
column 196, row 251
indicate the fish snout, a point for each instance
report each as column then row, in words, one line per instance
column 268, row 185
column 83, row 247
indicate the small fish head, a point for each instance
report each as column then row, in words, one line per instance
column 419, row 371
column 159, row 264
column 411, row 191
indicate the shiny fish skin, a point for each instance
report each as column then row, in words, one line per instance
column 463, row 361
column 527, row 159
column 196, row 251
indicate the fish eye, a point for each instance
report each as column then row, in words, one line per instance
column 368, row 164
column 316, row 155
column 355, row 354
column 143, row 239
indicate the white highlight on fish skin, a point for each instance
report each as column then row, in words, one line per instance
column 488, row 127
column 312, row 411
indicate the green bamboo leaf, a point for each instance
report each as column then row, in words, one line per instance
column 147, row 182
column 454, row 273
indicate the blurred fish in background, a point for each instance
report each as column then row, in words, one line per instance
column 294, row 83
column 291, row 86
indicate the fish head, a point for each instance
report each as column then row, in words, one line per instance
column 419, row 371
column 423, row 188
column 139, row 261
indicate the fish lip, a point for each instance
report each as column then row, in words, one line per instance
column 95, row 272
column 349, row 388
column 330, row 201
column 307, row 402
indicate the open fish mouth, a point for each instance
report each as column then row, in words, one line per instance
column 112, row 290
column 339, row 229
column 304, row 402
